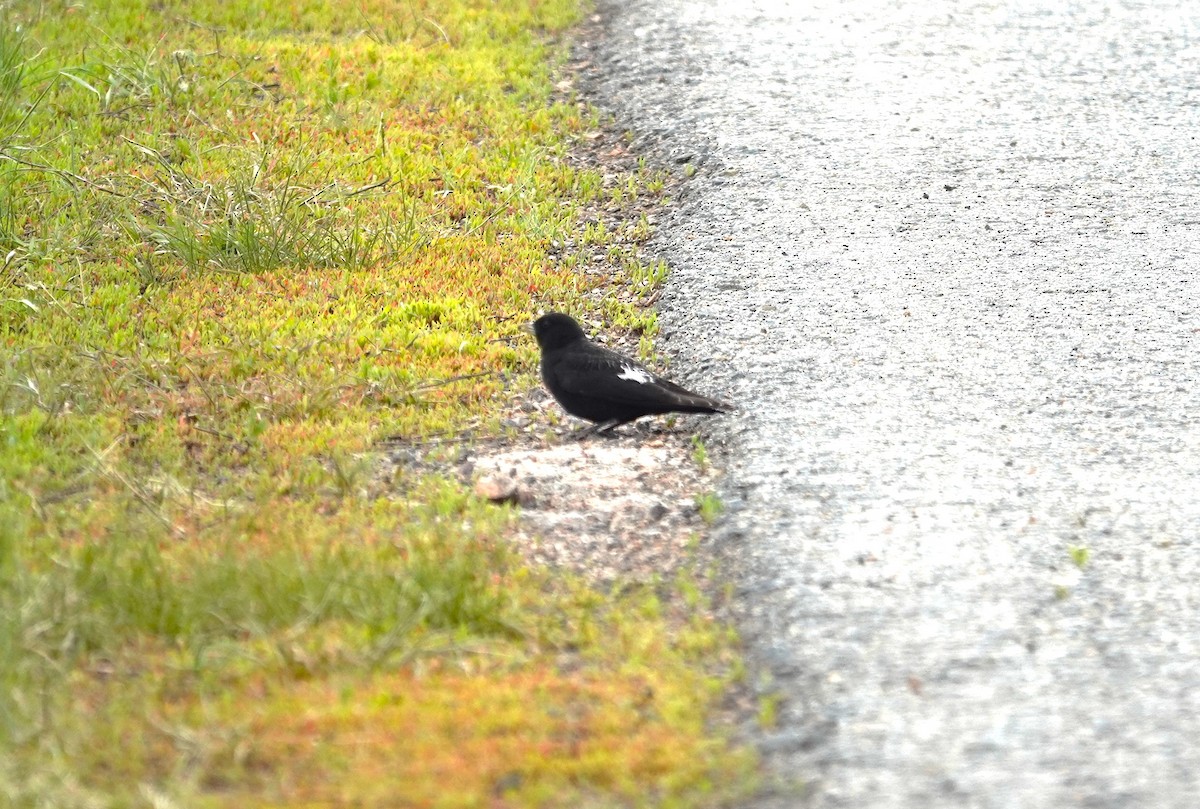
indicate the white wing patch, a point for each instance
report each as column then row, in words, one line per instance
column 635, row 375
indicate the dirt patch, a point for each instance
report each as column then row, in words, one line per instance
column 617, row 506
column 606, row 508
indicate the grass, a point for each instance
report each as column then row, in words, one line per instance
column 709, row 506
column 242, row 242
column 700, row 453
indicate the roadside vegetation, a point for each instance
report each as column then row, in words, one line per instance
column 242, row 243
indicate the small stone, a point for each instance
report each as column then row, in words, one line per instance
column 498, row 489
column 657, row 512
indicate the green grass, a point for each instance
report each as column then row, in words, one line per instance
column 700, row 453
column 241, row 243
column 709, row 506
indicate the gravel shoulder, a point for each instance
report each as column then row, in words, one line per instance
column 945, row 257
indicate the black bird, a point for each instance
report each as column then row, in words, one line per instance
column 602, row 386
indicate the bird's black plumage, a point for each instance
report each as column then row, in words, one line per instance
column 602, row 386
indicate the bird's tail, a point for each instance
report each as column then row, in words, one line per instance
column 694, row 403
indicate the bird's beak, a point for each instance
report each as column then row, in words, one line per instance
column 527, row 328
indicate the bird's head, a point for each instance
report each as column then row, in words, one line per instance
column 556, row 330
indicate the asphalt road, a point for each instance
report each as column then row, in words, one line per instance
column 947, row 257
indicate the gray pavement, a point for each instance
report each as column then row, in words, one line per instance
column 947, row 257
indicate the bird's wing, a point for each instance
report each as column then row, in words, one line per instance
column 603, row 374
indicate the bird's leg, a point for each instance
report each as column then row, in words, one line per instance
column 582, row 432
column 608, row 426
column 595, row 429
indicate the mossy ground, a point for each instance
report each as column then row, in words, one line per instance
column 242, row 242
